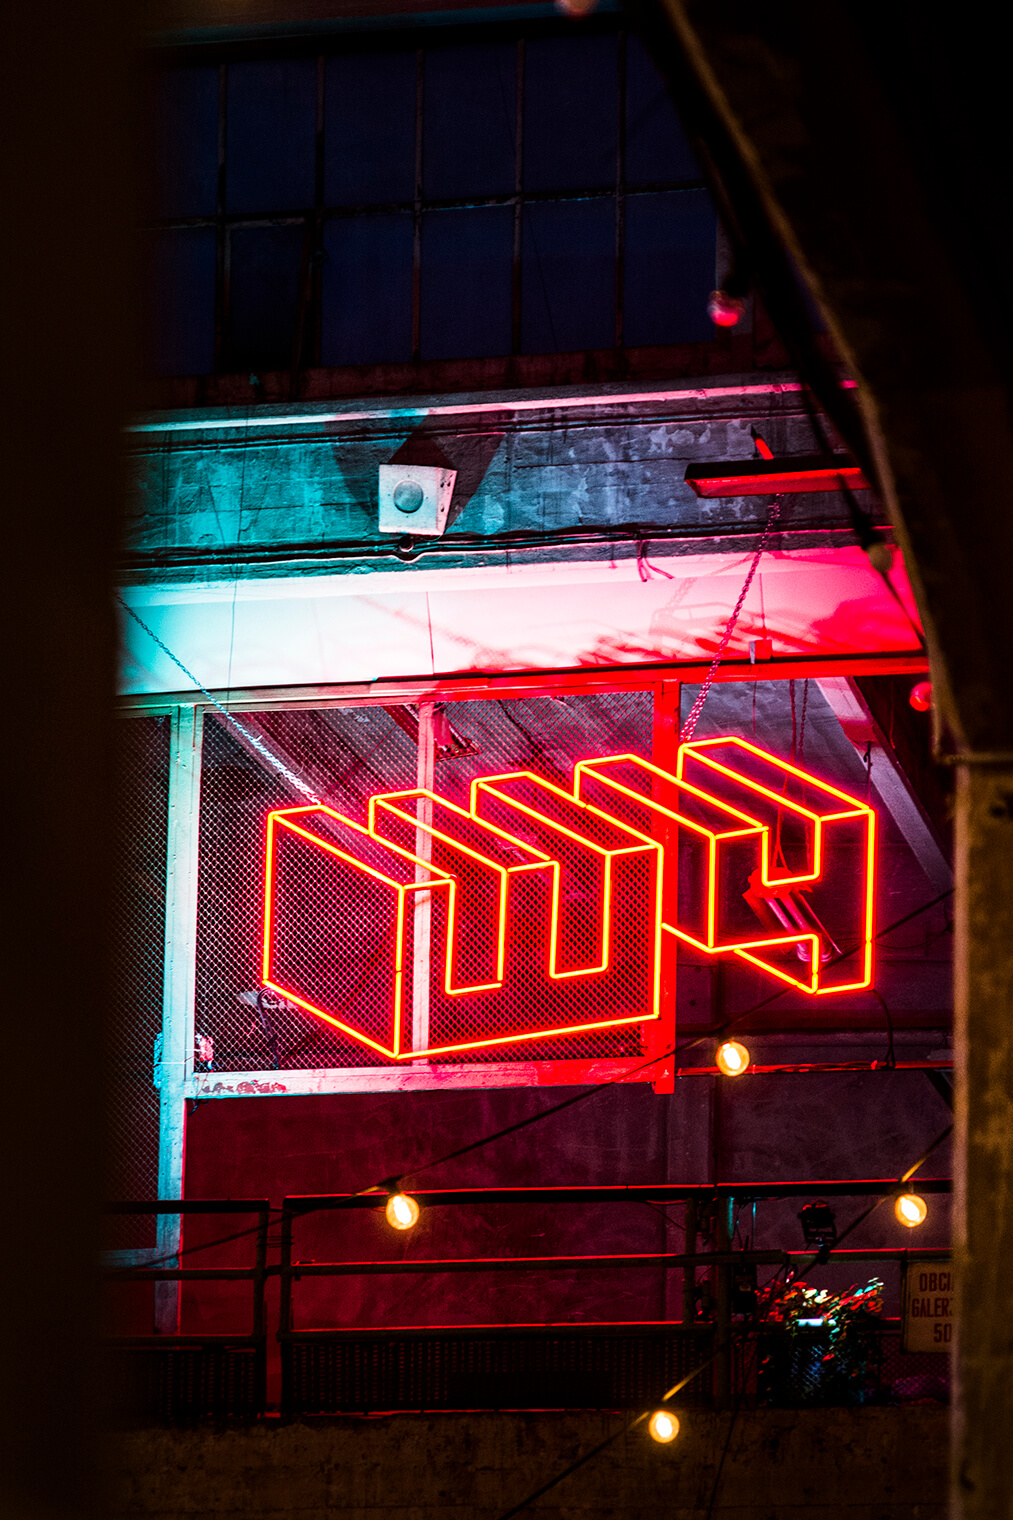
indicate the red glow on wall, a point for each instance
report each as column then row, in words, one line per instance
column 537, row 913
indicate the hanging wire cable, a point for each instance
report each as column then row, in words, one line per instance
column 391, row 1183
column 722, row 1345
column 695, row 711
column 251, row 738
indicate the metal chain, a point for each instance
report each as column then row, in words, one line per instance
column 686, row 731
column 251, row 738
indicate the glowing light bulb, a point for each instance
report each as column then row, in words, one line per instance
column 725, row 310
column 910, row 1209
column 732, row 1058
column 920, row 696
column 402, row 1211
column 663, row 1425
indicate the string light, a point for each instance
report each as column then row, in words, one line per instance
column 663, row 1426
column 402, row 1211
column 732, row 1058
column 910, row 1209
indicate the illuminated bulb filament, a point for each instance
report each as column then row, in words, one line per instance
column 663, row 1425
column 732, row 1058
column 402, row 1211
column 910, row 1209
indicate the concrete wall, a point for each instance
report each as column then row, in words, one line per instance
column 870, row 1464
column 199, row 493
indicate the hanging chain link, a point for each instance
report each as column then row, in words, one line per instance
column 686, row 731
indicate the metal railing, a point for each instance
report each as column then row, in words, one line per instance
column 184, row 1376
column 576, row 1365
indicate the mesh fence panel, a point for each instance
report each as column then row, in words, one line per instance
column 138, row 952
column 342, row 930
column 619, row 1369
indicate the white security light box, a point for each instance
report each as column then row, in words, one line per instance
column 415, row 498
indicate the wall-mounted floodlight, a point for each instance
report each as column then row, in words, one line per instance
column 415, row 498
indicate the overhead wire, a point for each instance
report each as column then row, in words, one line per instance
column 394, row 1181
column 595, row 1451
column 250, row 737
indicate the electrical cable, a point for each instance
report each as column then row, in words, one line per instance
column 250, row 737
column 692, row 716
column 609, row 1440
column 393, row 1182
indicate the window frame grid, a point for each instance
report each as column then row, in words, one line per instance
column 306, row 341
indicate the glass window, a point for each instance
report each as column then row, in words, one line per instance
column 571, row 104
column 656, row 146
column 369, row 129
column 669, row 267
column 469, row 147
column 467, row 261
column 455, row 200
column 271, row 136
column 264, row 296
column 569, row 276
column 182, row 274
column 186, row 142
column 367, row 290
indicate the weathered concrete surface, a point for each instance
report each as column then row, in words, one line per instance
column 868, row 1464
column 200, row 493
column 983, row 1154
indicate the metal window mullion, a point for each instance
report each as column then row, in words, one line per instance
column 179, row 981
column 517, row 270
column 221, row 234
column 316, row 290
column 620, row 270
column 420, row 85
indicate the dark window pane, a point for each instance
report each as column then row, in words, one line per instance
column 470, row 121
column 570, row 110
column 669, row 267
column 264, row 295
column 367, row 290
column 656, row 146
column 467, row 259
column 181, row 293
column 369, row 132
column 569, row 276
column 272, row 121
column 186, row 142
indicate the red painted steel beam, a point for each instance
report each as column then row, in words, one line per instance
column 774, row 477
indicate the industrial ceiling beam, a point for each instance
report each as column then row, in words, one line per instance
column 862, row 150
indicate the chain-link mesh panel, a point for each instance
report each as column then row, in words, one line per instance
column 184, row 1382
column 803, row 1369
column 138, row 957
column 601, row 1368
column 351, row 927
column 914, row 1377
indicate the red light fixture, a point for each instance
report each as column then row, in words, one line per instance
column 775, row 477
column 725, row 310
column 920, row 696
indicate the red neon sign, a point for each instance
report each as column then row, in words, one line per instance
column 546, row 910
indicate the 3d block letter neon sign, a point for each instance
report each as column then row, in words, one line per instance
column 546, row 910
